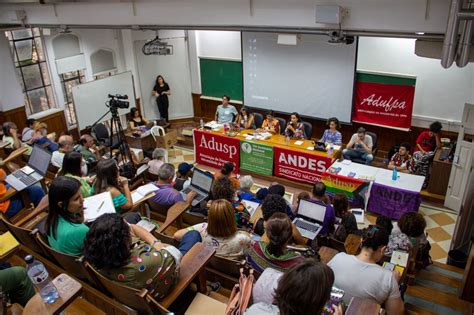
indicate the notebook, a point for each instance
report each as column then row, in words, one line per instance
column 7, row 243
column 143, row 191
column 97, row 205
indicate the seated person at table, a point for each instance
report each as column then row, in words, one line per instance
column 360, row 146
column 426, row 144
column 72, row 164
column 332, row 135
column 220, row 231
column 16, row 286
column 225, row 113
column 12, row 206
column 136, row 119
column 226, row 171
column 277, row 189
column 10, row 136
column 274, row 253
column 157, row 160
column 319, row 195
column 183, row 176
column 303, row 290
column 28, row 131
column 348, row 223
column 167, row 196
column 129, row 255
column 41, row 138
column 271, row 124
column 244, row 192
column 65, row 143
column 410, row 226
column 360, row 276
column 64, row 225
column 295, row 128
column 109, row 179
column 402, row 160
column 271, row 205
column 245, row 119
column 88, row 149
column 222, row 188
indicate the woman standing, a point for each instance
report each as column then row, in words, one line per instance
column 162, row 91
column 295, row 128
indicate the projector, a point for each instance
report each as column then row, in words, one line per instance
column 338, row 37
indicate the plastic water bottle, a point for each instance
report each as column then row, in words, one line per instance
column 394, row 174
column 331, row 150
column 201, row 123
column 40, row 278
column 287, row 140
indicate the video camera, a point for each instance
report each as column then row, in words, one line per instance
column 116, row 101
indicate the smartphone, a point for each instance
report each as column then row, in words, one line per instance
column 389, row 266
column 351, row 174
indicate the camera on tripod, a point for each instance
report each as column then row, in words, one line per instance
column 117, row 101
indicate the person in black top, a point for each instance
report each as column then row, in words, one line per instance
column 136, row 120
column 162, row 91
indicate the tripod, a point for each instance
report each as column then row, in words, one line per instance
column 128, row 168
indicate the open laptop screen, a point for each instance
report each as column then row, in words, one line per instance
column 311, row 210
column 39, row 159
column 202, row 180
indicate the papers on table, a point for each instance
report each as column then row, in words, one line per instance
column 97, row 205
column 214, row 125
column 143, row 191
column 310, row 148
column 251, row 206
column 346, row 162
column 299, row 142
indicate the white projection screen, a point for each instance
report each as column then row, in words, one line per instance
column 313, row 78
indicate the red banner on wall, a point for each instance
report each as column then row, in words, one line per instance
column 214, row 150
column 383, row 104
column 298, row 165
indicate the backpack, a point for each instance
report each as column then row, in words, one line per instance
column 423, row 258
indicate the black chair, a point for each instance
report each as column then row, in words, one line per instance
column 374, row 148
column 308, row 129
column 258, row 120
column 282, row 124
column 102, row 135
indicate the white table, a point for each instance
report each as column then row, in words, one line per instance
column 405, row 181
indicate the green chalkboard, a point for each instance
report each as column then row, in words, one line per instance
column 219, row 77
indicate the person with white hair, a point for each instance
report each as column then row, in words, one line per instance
column 158, row 159
column 167, row 195
column 246, row 183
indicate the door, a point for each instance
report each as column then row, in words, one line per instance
column 462, row 163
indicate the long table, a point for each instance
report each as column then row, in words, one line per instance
column 383, row 195
column 273, row 156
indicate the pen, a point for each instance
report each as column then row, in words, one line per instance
column 100, row 206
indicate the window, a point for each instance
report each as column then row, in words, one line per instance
column 30, row 63
column 68, row 80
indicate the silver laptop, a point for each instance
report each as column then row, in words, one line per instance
column 310, row 218
column 33, row 172
column 201, row 183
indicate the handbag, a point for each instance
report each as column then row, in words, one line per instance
column 241, row 294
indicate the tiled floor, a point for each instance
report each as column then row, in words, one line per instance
column 439, row 224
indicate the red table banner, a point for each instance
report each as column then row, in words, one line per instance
column 214, row 150
column 383, row 104
column 299, row 165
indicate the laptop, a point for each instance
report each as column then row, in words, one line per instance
column 310, row 217
column 33, row 172
column 201, row 183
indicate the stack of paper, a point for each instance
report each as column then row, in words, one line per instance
column 142, row 191
column 97, row 205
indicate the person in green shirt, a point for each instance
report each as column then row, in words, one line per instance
column 87, row 148
column 129, row 255
column 109, row 179
column 64, row 224
column 72, row 165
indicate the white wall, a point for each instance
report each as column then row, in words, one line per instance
column 219, row 45
column 388, row 15
column 174, row 68
column 11, row 95
column 440, row 93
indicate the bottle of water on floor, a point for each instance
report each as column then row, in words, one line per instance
column 40, row 278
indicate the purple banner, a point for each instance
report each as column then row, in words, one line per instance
column 392, row 202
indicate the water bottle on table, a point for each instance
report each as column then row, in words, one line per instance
column 394, row 173
column 40, row 278
column 201, row 123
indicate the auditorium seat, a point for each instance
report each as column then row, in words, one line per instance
column 258, row 119
column 282, row 124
